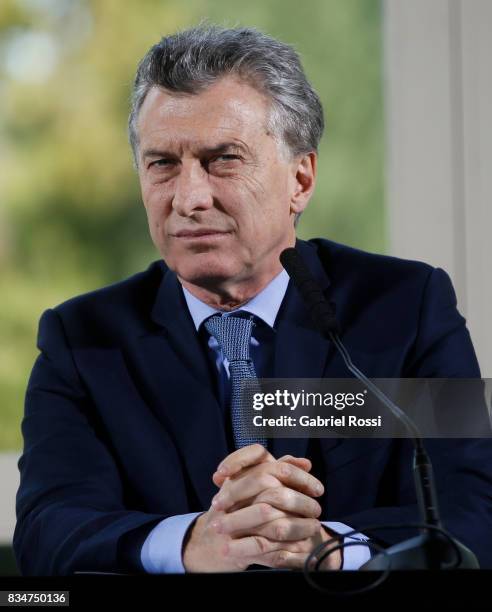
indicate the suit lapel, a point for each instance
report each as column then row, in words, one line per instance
column 177, row 373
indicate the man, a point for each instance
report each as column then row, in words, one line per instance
column 133, row 460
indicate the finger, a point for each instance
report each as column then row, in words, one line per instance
column 290, row 501
column 260, row 477
column 263, row 477
column 246, row 519
column 332, row 561
column 256, row 547
column 238, row 490
column 240, row 459
column 283, row 559
column 219, row 479
column 298, row 479
column 242, row 504
column 251, row 547
column 284, row 529
column 300, row 462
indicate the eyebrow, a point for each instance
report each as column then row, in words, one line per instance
column 220, row 148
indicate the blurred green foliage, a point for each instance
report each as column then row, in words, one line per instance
column 71, row 218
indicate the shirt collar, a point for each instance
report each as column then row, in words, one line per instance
column 264, row 305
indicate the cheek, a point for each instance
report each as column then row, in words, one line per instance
column 155, row 200
column 244, row 198
column 156, row 207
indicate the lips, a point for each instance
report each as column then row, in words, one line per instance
column 199, row 233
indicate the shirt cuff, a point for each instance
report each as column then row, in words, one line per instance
column 353, row 556
column 162, row 550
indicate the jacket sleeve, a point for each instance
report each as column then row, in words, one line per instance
column 463, row 467
column 442, row 347
column 70, row 508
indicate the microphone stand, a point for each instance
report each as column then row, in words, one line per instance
column 428, row 550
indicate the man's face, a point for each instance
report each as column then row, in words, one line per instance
column 219, row 192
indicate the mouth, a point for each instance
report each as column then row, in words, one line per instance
column 202, row 234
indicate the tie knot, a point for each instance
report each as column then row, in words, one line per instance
column 233, row 333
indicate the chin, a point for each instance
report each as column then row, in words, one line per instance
column 206, row 268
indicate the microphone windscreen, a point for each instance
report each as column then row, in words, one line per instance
column 319, row 308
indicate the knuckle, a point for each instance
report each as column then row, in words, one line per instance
column 238, row 563
column 265, row 509
column 280, row 495
column 242, row 463
column 261, row 451
column 264, row 481
column 288, row 497
column 284, row 469
column 261, row 544
column 281, row 558
column 281, row 529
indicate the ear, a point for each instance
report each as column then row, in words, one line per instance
column 304, row 174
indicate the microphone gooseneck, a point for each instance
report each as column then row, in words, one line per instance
column 425, row 551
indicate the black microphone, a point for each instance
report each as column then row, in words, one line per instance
column 321, row 311
column 426, row 551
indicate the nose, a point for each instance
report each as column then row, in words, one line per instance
column 192, row 189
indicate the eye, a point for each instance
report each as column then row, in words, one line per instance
column 161, row 163
column 225, row 157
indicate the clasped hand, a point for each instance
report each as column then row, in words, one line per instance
column 265, row 514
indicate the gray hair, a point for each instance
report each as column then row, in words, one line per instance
column 191, row 60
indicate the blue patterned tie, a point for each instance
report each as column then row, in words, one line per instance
column 233, row 333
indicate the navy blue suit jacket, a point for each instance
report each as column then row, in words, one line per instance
column 122, row 427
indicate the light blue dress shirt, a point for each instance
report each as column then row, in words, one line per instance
column 162, row 550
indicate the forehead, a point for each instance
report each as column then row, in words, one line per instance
column 227, row 109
